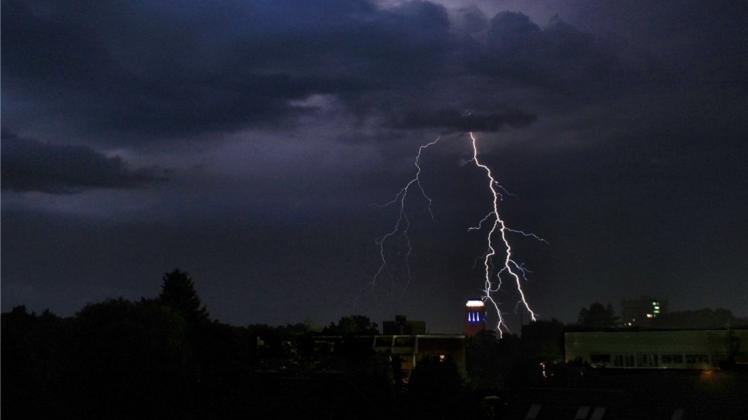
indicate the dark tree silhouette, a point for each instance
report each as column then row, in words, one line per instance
column 130, row 356
column 435, row 389
column 164, row 358
column 36, row 371
column 698, row 318
column 597, row 317
column 489, row 360
column 543, row 341
column 178, row 292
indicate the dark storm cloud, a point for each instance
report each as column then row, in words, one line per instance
column 454, row 120
column 469, row 19
column 634, row 170
column 696, row 42
column 558, row 56
column 146, row 71
column 165, row 72
column 29, row 165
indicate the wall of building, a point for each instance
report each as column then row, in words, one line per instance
column 679, row 349
column 413, row 348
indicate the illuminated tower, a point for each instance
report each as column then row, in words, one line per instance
column 475, row 317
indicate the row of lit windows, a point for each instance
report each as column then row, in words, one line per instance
column 648, row 359
column 475, row 317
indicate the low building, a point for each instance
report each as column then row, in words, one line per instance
column 657, row 349
column 409, row 349
column 413, row 348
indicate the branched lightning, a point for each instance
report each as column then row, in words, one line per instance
column 493, row 279
column 509, row 266
column 528, row 235
column 403, row 223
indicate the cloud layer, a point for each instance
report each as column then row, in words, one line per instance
column 158, row 72
column 29, row 165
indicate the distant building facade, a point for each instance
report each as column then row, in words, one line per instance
column 658, row 349
column 410, row 349
column 475, row 317
column 642, row 311
column 402, row 341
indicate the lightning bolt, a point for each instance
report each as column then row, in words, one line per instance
column 402, row 224
column 497, row 234
column 509, row 266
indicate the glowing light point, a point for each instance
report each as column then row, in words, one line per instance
column 475, row 304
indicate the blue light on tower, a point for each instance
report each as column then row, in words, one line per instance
column 475, row 317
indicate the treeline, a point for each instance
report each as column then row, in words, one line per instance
column 122, row 359
column 165, row 358
column 599, row 317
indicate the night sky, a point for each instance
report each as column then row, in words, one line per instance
column 248, row 143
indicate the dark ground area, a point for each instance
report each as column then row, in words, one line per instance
column 165, row 358
column 640, row 395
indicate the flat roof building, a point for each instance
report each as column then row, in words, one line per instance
column 413, row 348
column 658, row 349
column 401, row 340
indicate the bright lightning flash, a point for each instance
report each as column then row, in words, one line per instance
column 509, row 265
column 498, row 233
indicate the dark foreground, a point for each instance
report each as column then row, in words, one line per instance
column 164, row 358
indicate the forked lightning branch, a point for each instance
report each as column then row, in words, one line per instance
column 499, row 264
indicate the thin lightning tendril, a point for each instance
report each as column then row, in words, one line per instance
column 528, row 235
column 402, row 218
column 479, row 226
column 492, row 282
